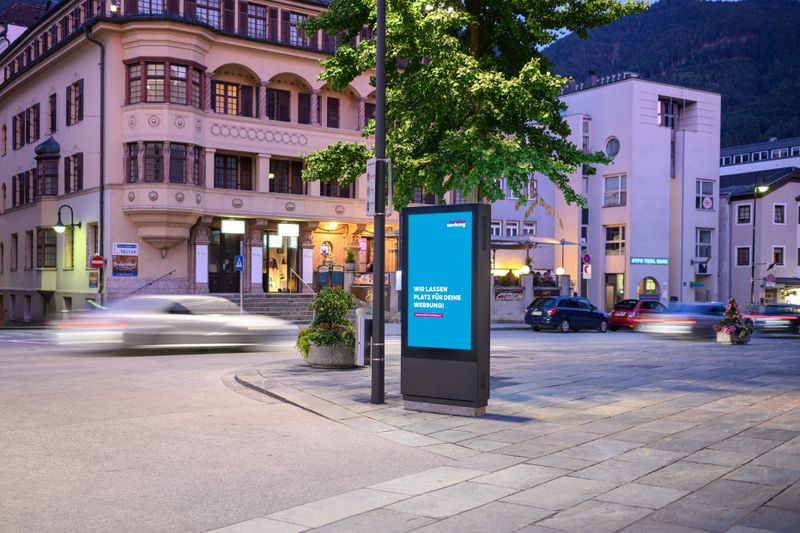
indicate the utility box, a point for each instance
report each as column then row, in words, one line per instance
column 446, row 308
column 363, row 336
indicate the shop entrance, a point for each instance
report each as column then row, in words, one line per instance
column 222, row 251
column 281, row 263
column 615, row 290
column 648, row 289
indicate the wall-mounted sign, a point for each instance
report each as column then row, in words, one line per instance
column 696, row 284
column 708, row 202
column 289, row 230
column 587, row 271
column 234, row 227
column 649, row 261
column 93, row 279
column 125, row 259
column 445, row 326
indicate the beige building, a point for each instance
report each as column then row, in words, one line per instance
column 154, row 122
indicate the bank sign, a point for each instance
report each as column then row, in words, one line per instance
column 439, row 296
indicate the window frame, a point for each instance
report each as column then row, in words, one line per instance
column 700, row 184
column 496, row 225
column 153, row 161
column 511, row 228
column 621, row 190
column 783, row 256
column 615, row 246
column 527, row 224
column 698, row 244
column 775, row 207
column 749, row 262
column 749, row 207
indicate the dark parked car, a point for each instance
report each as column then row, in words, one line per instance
column 565, row 313
column 627, row 312
column 778, row 318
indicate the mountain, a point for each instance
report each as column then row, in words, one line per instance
column 746, row 51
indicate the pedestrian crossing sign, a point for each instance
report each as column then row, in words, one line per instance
column 238, row 263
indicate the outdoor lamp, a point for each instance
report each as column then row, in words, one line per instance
column 560, row 271
column 762, row 189
column 59, row 226
column 525, row 269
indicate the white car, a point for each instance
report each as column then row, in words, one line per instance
column 142, row 322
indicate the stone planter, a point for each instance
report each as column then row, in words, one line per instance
column 336, row 356
column 350, row 267
column 731, row 338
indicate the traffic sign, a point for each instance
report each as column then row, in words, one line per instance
column 238, row 263
column 587, row 271
column 371, row 173
column 587, row 259
column 770, row 279
column 97, row 261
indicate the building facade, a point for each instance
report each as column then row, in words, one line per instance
column 770, row 155
column 651, row 221
column 154, row 122
column 760, row 236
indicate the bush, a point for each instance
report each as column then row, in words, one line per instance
column 350, row 256
column 732, row 321
column 330, row 327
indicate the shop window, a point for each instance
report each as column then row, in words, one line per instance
column 615, row 240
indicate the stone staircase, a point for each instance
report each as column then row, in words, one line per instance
column 288, row 306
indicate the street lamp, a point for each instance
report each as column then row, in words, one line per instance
column 759, row 189
column 59, row 226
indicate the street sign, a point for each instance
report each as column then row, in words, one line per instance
column 238, row 263
column 97, row 261
column 770, row 281
column 587, row 271
column 587, row 259
column 371, row 170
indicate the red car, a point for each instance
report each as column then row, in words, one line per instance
column 627, row 312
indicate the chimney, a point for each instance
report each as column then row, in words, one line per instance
column 591, row 79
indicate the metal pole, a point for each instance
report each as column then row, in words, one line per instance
column 753, row 251
column 377, row 351
column 241, row 281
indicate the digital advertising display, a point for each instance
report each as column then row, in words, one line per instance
column 439, row 297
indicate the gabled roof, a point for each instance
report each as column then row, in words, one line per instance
column 742, row 185
column 23, row 13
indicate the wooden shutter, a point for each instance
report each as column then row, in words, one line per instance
column 79, row 100
column 246, row 177
column 228, row 15
column 131, row 7
column 333, row 112
column 243, row 18
column 36, row 117
column 26, row 130
column 304, row 108
column 284, row 106
column 285, row 26
column 14, row 139
column 172, row 7
column 272, row 24
column 53, row 113
column 247, row 101
column 79, row 171
column 14, row 201
column 68, row 106
column 190, row 9
column 213, row 100
column 66, row 176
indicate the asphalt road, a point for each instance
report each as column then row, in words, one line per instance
column 165, row 443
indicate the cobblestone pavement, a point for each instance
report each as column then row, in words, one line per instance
column 584, row 432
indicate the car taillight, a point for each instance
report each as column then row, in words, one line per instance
column 551, row 311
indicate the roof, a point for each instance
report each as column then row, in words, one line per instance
column 758, row 147
column 743, row 184
column 23, row 13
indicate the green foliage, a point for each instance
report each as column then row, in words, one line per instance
column 742, row 50
column 331, row 305
column 350, row 256
column 732, row 321
column 469, row 96
column 343, row 334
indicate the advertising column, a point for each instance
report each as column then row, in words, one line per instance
column 445, row 333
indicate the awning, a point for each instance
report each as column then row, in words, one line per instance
column 522, row 242
column 788, row 282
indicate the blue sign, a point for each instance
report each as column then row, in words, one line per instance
column 238, row 263
column 439, row 297
column 649, row 261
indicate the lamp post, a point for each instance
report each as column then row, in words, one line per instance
column 59, row 226
column 758, row 189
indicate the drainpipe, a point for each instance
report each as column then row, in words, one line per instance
column 101, row 221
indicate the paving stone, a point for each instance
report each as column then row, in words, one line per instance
column 605, row 427
column 769, row 434
column 335, row 508
column 565, row 463
column 684, row 475
column 765, row 475
column 521, row 476
column 427, row 480
column 599, row 450
column 367, row 424
column 453, row 451
column 791, row 447
column 408, row 438
column 666, row 426
column 452, row 435
column 774, row 519
column 595, row 517
column 788, row 499
column 615, row 471
column 648, row 525
column 383, row 520
column 512, row 436
column 640, row 495
column 483, row 444
column 497, row 517
column 451, row 500
column 746, row 445
column 529, row 449
column 636, row 435
column 489, row 462
column 259, row 525
column 650, row 456
column 726, row 492
column 679, row 444
column 778, row 460
column 746, row 529
column 717, row 457
column 561, row 493
column 699, row 515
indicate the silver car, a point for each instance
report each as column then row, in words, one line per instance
column 685, row 320
column 142, row 322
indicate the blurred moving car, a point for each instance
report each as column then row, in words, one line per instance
column 688, row 320
column 626, row 313
column 565, row 313
column 142, row 322
column 778, row 318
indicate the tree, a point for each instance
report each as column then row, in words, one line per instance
column 470, row 98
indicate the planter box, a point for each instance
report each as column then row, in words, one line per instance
column 731, row 338
column 336, row 356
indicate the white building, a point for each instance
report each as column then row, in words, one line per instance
column 770, row 155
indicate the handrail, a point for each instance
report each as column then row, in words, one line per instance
column 155, row 280
column 302, row 280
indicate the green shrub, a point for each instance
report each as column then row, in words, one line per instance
column 350, row 256
column 330, row 327
column 331, row 305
